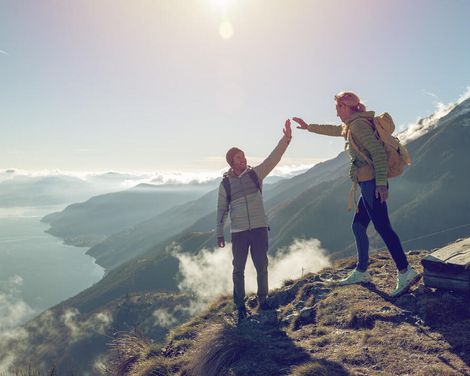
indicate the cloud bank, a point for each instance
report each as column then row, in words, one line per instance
column 209, row 273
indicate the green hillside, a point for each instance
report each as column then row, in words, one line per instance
column 89, row 223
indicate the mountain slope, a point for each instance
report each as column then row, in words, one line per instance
column 434, row 185
column 316, row 328
column 319, row 212
column 199, row 215
column 130, row 243
column 88, row 223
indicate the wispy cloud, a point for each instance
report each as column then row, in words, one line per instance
column 4, row 53
column 13, row 309
column 426, row 92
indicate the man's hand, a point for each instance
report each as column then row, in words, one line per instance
column 302, row 124
column 381, row 192
column 221, row 242
column 287, row 130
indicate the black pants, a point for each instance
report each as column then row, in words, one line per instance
column 255, row 240
column 371, row 209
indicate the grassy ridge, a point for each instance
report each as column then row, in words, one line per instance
column 318, row 329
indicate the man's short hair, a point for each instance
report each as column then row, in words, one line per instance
column 231, row 153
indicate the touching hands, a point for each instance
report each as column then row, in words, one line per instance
column 301, row 122
column 221, row 242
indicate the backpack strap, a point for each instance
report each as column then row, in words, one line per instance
column 255, row 179
column 356, row 147
column 228, row 190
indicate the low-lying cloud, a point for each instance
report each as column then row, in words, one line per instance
column 209, row 273
column 13, row 309
column 69, row 326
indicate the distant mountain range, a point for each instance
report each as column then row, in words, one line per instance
column 429, row 207
column 24, row 189
column 88, row 223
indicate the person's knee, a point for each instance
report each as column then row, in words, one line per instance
column 383, row 228
column 358, row 228
column 238, row 274
column 262, row 271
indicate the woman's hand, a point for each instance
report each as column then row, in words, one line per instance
column 381, row 192
column 302, row 124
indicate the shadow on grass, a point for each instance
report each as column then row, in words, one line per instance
column 255, row 347
column 445, row 312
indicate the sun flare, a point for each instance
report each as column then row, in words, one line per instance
column 226, row 30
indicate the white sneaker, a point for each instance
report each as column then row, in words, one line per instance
column 405, row 280
column 356, row 277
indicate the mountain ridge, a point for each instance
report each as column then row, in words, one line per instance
column 316, row 328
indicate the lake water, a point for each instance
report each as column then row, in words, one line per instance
column 37, row 271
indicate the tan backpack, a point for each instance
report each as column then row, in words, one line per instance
column 397, row 154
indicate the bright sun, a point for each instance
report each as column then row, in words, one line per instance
column 226, row 30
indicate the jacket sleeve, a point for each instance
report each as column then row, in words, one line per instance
column 222, row 211
column 265, row 167
column 364, row 136
column 326, row 129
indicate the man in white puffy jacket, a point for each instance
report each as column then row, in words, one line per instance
column 248, row 221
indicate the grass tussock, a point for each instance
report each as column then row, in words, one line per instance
column 217, row 349
column 248, row 349
column 126, row 352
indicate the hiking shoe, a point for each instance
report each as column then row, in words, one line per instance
column 264, row 306
column 356, row 277
column 404, row 281
column 241, row 314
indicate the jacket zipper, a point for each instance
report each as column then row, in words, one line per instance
column 246, row 204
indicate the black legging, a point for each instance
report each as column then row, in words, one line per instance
column 370, row 208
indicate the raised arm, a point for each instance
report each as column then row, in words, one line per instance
column 325, row 129
column 265, row 167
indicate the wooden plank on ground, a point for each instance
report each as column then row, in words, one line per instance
column 449, row 266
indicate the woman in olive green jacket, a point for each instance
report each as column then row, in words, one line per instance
column 357, row 129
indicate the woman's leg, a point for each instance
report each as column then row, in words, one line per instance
column 378, row 213
column 359, row 227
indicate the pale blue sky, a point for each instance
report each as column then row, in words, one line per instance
column 151, row 85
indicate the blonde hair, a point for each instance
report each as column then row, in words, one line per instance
column 351, row 100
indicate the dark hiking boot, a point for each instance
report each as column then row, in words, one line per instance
column 241, row 314
column 264, row 306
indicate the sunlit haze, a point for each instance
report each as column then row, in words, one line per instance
column 171, row 84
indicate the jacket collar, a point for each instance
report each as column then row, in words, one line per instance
column 358, row 115
column 231, row 173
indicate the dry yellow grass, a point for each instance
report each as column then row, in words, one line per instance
column 350, row 330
